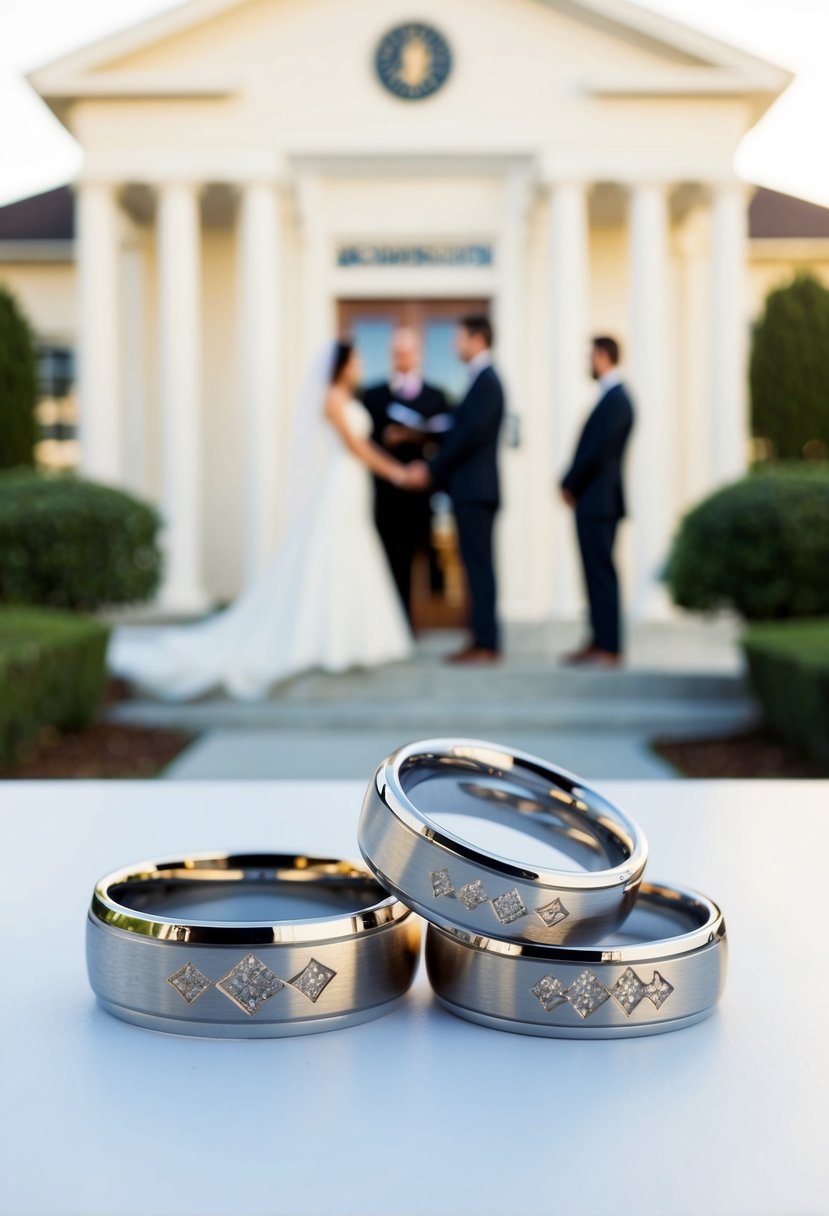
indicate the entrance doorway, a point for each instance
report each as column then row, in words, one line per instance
column 371, row 323
column 439, row 596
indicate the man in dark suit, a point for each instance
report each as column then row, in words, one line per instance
column 467, row 467
column 403, row 520
column 593, row 487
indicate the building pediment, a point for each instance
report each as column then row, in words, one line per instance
column 213, row 49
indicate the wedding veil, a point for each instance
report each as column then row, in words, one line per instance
column 314, row 441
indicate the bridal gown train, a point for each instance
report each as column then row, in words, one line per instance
column 327, row 601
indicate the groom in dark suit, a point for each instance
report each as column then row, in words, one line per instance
column 467, row 468
column 593, row 487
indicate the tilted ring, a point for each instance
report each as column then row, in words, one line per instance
column 248, row 979
column 453, row 883
column 578, row 992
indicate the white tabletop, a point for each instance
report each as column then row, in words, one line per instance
column 419, row 1112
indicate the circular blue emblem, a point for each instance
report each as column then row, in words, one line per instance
column 413, row 60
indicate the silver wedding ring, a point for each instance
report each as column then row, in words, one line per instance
column 153, row 964
column 454, row 883
column 611, row 991
column 519, row 946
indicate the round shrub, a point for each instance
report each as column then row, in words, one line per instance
column 759, row 547
column 18, row 386
column 789, row 388
column 75, row 544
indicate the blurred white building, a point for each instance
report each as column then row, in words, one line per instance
column 260, row 174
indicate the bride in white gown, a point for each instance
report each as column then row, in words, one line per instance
column 327, row 601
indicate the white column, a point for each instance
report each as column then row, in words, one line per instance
column 516, row 560
column 259, row 250
column 180, row 391
column 99, row 377
column 317, row 326
column 693, row 360
column 651, row 486
column 136, row 473
column 729, row 333
column 569, row 346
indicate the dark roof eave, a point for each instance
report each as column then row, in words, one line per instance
column 41, row 217
column 776, row 216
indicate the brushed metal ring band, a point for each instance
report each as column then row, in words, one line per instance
column 248, row 979
column 453, row 883
column 578, row 992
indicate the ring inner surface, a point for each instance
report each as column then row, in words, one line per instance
column 656, row 918
column 243, row 892
column 512, row 802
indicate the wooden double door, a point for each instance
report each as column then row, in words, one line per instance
column 439, row 596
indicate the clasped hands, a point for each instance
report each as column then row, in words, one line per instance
column 414, row 476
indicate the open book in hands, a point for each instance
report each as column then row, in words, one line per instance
column 414, row 421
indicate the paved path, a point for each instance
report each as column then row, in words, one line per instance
column 682, row 679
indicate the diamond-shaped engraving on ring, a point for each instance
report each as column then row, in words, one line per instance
column 586, row 994
column 313, row 980
column 441, row 883
column 250, row 984
column 553, row 913
column 550, row 992
column 189, row 982
column 628, row 990
column 472, row 894
column 658, row 990
column 509, row 906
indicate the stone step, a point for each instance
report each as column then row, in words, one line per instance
column 531, row 681
column 424, row 717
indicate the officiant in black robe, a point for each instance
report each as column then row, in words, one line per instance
column 403, row 519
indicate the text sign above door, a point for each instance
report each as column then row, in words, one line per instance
column 397, row 255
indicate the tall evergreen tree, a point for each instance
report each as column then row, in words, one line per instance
column 18, row 386
column 790, row 371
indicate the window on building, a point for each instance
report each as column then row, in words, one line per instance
column 56, row 408
column 55, row 371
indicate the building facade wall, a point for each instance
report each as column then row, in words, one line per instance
column 772, row 267
column 48, row 295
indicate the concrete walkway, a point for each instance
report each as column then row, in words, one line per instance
column 683, row 679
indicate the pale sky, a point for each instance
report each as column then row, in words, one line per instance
column 788, row 150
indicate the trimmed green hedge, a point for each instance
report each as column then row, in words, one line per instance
column 759, row 547
column 69, row 543
column 52, row 673
column 788, row 667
